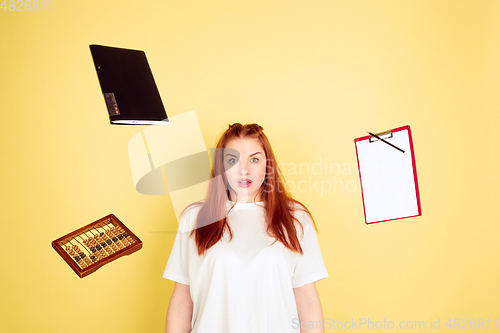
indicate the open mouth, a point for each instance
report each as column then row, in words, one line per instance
column 244, row 183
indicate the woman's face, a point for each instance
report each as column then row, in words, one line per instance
column 245, row 167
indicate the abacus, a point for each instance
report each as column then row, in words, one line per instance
column 89, row 248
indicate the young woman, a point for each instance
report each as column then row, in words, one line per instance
column 245, row 260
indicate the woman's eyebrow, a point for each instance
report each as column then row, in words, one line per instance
column 238, row 156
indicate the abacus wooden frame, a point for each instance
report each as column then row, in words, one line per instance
column 95, row 266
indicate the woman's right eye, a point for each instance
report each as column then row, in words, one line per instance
column 232, row 161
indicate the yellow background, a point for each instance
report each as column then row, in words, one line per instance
column 315, row 74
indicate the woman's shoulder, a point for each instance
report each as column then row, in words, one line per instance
column 187, row 219
column 304, row 223
column 192, row 209
column 296, row 206
column 300, row 212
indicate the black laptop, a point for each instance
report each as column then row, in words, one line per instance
column 128, row 86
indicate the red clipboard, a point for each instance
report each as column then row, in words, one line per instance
column 388, row 176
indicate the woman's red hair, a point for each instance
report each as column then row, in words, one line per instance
column 278, row 203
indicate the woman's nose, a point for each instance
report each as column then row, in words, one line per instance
column 243, row 168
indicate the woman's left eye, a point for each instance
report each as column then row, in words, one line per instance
column 255, row 159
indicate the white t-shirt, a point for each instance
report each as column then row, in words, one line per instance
column 245, row 285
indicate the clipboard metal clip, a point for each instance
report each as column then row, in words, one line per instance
column 382, row 135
